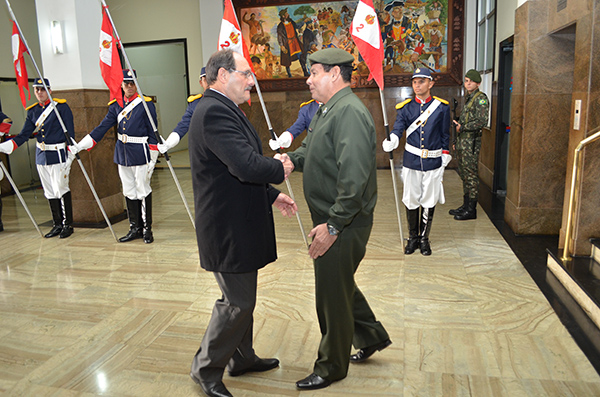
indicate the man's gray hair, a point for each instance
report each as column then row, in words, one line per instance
column 220, row 59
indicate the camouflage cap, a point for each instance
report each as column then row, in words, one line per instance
column 330, row 56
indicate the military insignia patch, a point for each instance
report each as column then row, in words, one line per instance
column 482, row 101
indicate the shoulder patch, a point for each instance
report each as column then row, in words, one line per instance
column 111, row 102
column 32, row 106
column 483, row 101
column 147, row 98
column 401, row 104
column 192, row 98
column 306, row 103
column 445, row 102
column 60, row 100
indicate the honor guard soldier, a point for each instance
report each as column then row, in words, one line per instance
column 305, row 116
column 5, row 124
column 184, row 124
column 426, row 120
column 135, row 154
column 473, row 118
column 52, row 156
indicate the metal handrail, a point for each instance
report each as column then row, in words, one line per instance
column 575, row 188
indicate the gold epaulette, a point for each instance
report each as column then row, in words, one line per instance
column 147, row 98
column 31, row 106
column 445, row 102
column 192, row 98
column 306, row 103
column 401, row 104
column 60, row 100
column 111, row 102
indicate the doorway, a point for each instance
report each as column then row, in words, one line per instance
column 162, row 71
column 505, row 81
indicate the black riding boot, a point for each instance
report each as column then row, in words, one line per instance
column 67, row 204
column 135, row 226
column 426, row 221
column 413, row 231
column 57, row 218
column 469, row 213
column 148, row 237
column 462, row 207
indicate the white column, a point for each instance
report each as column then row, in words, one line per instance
column 211, row 14
column 78, row 67
column 521, row 2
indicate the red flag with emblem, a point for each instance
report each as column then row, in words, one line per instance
column 110, row 62
column 230, row 36
column 367, row 37
column 18, row 49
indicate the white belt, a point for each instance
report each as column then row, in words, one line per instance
column 423, row 153
column 132, row 139
column 44, row 146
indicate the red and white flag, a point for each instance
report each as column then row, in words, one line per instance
column 110, row 63
column 367, row 37
column 230, row 36
column 18, row 49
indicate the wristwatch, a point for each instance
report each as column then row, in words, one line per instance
column 332, row 230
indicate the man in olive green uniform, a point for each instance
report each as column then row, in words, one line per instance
column 473, row 118
column 340, row 187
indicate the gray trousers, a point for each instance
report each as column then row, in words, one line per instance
column 227, row 341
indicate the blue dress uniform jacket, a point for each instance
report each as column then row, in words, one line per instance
column 305, row 116
column 434, row 135
column 184, row 124
column 135, row 124
column 50, row 132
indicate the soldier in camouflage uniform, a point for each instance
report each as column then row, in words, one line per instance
column 473, row 118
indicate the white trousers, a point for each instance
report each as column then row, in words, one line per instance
column 136, row 180
column 55, row 179
column 423, row 188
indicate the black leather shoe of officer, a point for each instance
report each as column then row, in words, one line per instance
column 212, row 389
column 66, row 232
column 411, row 245
column 312, row 382
column 148, row 237
column 425, row 247
column 54, row 232
column 132, row 235
column 261, row 365
column 367, row 352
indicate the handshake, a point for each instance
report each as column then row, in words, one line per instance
column 288, row 166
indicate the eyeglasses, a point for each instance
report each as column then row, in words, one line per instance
column 129, row 82
column 247, row 73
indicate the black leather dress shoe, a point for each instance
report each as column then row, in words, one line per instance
column 312, row 382
column 263, row 364
column 212, row 389
column 66, row 231
column 54, row 232
column 367, row 352
column 148, row 237
column 133, row 234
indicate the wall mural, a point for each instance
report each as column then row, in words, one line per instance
column 416, row 33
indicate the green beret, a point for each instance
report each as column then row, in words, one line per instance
column 330, row 56
column 474, row 75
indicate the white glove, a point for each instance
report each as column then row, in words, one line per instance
column 152, row 163
column 390, row 144
column 66, row 166
column 172, row 141
column 86, row 143
column 7, row 147
column 446, row 158
column 284, row 141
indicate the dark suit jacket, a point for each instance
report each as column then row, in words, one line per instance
column 232, row 195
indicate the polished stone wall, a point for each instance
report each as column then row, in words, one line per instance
column 553, row 65
column 283, row 107
column 89, row 108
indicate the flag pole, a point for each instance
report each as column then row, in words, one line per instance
column 287, row 181
column 392, row 168
column 158, row 137
column 14, row 185
column 62, row 124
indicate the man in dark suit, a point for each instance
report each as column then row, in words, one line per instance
column 234, row 220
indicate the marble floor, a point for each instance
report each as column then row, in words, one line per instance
column 88, row 316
